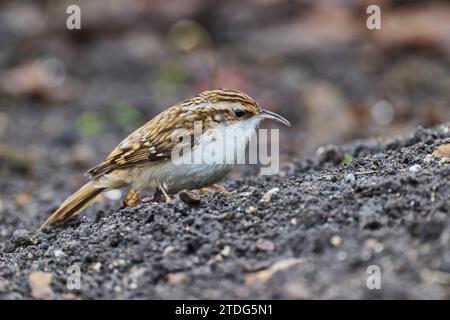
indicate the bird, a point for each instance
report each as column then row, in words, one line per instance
column 143, row 161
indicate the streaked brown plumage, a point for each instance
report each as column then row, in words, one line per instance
column 141, row 160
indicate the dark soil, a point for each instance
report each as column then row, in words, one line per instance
column 68, row 97
column 333, row 216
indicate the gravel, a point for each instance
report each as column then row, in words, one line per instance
column 329, row 222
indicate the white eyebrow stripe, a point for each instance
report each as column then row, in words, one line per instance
column 223, row 105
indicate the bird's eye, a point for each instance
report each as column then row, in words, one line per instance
column 238, row 112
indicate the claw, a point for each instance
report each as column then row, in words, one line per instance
column 212, row 188
column 166, row 195
column 218, row 188
column 132, row 198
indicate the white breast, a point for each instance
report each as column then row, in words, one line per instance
column 190, row 173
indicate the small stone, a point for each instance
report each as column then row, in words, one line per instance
column 378, row 247
column 133, row 285
column 226, row 251
column 246, row 194
column 69, row 296
column 336, row 241
column 190, row 198
column 40, row 285
column 177, row 277
column 428, row 158
column 267, row 197
column 433, row 196
column 350, row 178
column 415, row 168
column 217, row 258
column 442, row 151
column 412, row 255
column 328, row 154
column 59, row 254
column 96, row 266
column 342, row 255
column 251, row 209
column 297, row 290
column 294, row 221
column 21, row 237
column 168, row 250
column 265, row 245
column 3, row 284
column 370, row 243
column 22, row 199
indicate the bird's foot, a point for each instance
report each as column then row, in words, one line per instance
column 218, row 188
column 132, row 198
column 213, row 188
column 165, row 194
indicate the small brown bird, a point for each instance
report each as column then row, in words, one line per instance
column 144, row 160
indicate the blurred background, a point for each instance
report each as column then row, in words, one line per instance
column 68, row 97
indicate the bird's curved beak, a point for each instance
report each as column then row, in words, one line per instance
column 266, row 114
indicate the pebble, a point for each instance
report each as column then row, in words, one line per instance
column 226, row 251
column 336, row 241
column 96, row 266
column 168, row 250
column 328, row 154
column 3, row 232
column 442, row 151
column 69, row 296
column 267, row 197
column 350, row 178
column 297, row 290
column 3, row 284
column 428, row 158
column 265, row 245
column 342, row 255
column 415, row 168
column 133, row 285
column 177, row 277
column 246, row 194
column 251, row 209
column 59, row 254
column 373, row 245
column 21, row 237
column 40, row 285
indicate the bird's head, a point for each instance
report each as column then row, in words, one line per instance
column 226, row 107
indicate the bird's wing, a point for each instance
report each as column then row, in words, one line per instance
column 151, row 143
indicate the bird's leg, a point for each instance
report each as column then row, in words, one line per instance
column 132, row 198
column 218, row 188
column 164, row 192
column 214, row 187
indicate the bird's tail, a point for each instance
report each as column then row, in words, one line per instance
column 74, row 204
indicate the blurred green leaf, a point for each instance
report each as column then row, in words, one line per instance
column 187, row 35
column 89, row 123
column 347, row 158
column 127, row 116
column 171, row 73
